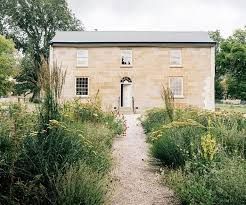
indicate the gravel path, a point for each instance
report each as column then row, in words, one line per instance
column 134, row 178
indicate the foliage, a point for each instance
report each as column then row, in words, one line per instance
column 32, row 24
column 58, row 157
column 231, row 62
column 168, row 99
column 80, row 185
column 190, row 188
column 229, row 182
column 207, row 148
column 154, row 118
column 7, row 64
column 168, row 151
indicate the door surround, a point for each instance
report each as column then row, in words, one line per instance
column 125, row 92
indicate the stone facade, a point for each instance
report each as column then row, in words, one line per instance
column 149, row 71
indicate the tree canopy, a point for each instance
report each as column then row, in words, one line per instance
column 231, row 64
column 32, row 24
column 7, row 64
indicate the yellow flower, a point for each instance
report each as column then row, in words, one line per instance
column 209, row 146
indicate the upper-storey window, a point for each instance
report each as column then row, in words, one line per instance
column 175, row 57
column 176, row 86
column 82, row 58
column 126, row 57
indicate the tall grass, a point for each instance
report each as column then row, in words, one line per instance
column 55, row 155
column 204, row 152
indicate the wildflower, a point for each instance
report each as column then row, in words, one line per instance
column 54, row 124
column 209, row 147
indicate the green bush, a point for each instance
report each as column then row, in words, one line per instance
column 228, row 183
column 210, row 149
column 166, row 150
column 191, row 189
column 154, row 118
column 176, row 145
column 38, row 149
column 80, row 185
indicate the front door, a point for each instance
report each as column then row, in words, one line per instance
column 127, row 95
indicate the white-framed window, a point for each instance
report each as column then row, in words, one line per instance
column 176, row 86
column 126, row 57
column 175, row 57
column 82, row 86
column 82, row 58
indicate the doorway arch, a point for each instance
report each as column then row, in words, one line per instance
column 126, row 92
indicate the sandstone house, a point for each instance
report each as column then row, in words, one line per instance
column 129, row 68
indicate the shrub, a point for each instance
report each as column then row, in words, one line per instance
column 46, row 150
column 191, row 189
column 228, row 183
column 80, row 186
column 154, row 118
column 168, row 152
column 176, row 145
column 209, row 147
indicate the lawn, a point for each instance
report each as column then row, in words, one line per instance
column 229, row 107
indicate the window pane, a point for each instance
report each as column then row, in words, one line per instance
column 176, row 86
column 82, row 61
column 82, row 86
column 175, row 57
column 82, row 53
column 82, row 57
column 126, row 57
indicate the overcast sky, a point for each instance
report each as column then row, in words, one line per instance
column 174, row 15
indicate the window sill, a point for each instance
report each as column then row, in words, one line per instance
column 82, row 96
column 178, row 96
column 82, row 66
column 176, row 66
column 126, row 66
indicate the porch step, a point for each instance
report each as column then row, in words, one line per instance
column 126, row 110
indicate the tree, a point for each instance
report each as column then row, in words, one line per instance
column 216, row 36
column 231, row 64
column 32, row 24
column 239, row 36
column 232, row 61
column 7, row 64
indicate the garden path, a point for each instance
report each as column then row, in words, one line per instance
column 135, row 179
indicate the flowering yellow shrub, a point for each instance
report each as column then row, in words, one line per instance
column 209, row 147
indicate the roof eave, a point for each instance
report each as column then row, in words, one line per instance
column 73, row 42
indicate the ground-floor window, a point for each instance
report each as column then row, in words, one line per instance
column 82, row 86
column 176, row 86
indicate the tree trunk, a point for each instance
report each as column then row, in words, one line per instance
column 36, row 97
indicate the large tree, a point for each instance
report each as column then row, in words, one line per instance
column 216, row 36
column 32, row 24
column 7, row 64
column 231, row 64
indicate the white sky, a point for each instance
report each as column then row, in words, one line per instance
column 175, row 15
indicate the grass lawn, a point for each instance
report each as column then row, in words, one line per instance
column 228, row 107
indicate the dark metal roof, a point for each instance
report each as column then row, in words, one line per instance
column 132, row 37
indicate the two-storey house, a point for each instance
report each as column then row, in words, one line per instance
column 130, row 67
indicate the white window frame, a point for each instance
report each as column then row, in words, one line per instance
column 172, row 53
column 182, row 86
column 82, row 56
column 121, row 55
column 88, row 86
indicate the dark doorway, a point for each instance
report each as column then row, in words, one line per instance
column 121, row 95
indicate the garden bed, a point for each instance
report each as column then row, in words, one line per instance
column 203, row 154
column 58, row 154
